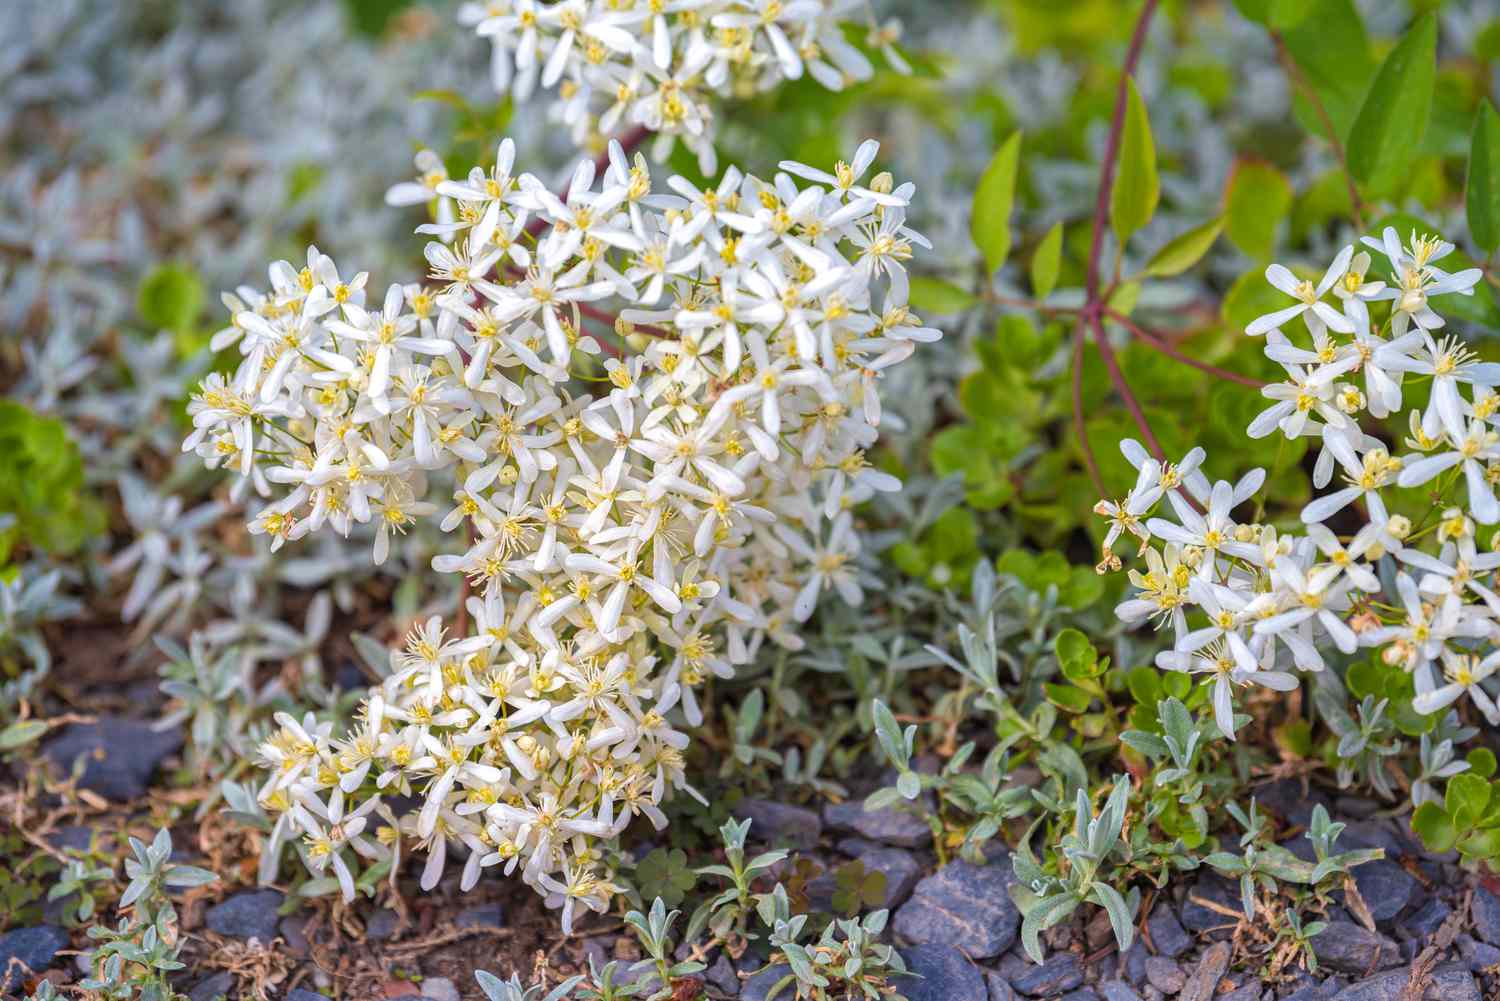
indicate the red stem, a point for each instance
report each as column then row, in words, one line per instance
column 1079, row 427
column 1122, row 387
column 1161, row 344
column 1094, row 307
column 1112, row 148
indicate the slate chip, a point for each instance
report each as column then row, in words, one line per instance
column 963, row 905
column 1449, row 982
column 247, row 914
column 1351, row 948
column 28, row 949
column 1059, row 973
column 891, row 825
column 120, row 755
column 1167, row 933
column 944, row 974
column 780, row 823
column 1204, row 980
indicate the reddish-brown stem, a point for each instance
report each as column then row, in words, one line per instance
column 1112, row 148
column 1079, row 428
column 1301, row 82
column 1117, row 379
column 1160, row 343
column 1094, row 306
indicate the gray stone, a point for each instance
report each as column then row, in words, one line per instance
column 1249, row 992
column 965, row 906
column 1167, row 934
column 1118, row 990
column 780, row 823
column 1428, row 918
column 1210, row 887
column 1479, row 955
column 1164, row 974
column 1082, row 994
column 720, row 974
column 1484, row 911
column 1449, row 982
column 217, row 986
column 247, row 914
column 28, row 950
column 999, row 987
column 758, row 987
column 382, row 925
column 121, row 755
column 1133, row 963
column 1320, row 991
column 1204, row 980
column 303, row 994
column 1059, row 973
column 900, row 867
column 943, row 974
column 903, row 828
column 1386, row 888
column 293, row 929
column 1351, row 948
column 1290, row 801
column 483, row 916
column 439, row 989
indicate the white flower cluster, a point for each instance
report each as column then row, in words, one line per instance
column 659, row 63
column 1402, row 574
column 622, row 547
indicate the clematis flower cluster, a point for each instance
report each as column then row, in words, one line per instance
column 660, row 64
column 637, row 502
column 1403, row 573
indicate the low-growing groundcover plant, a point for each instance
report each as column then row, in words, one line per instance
column 694, row 474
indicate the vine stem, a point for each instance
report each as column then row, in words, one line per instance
column 1300, row 80
column 1090, row 317
column 1161, row 344
column 1078, row 425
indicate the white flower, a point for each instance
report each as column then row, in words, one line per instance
column 1309, row 298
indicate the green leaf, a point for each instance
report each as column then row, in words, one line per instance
column 1183, row 251
column 1137, row 188
column 1332, row 52
column 1481, row 762
column 170, row 298
column 1046, row 262
column 1465, row 799
column 1482, row 198
column 1393, row 118
column 993, row 199
column 1076, row 654
column 1066, row 697
column 1259, row 197
column 1435, row 827
column 933, row 295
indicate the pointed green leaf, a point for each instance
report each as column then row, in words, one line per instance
column 1393, row 118
column 1184, row 251
column 1046, row 262
column 1483, row 186
column 1259, row 197
column 1137, row 188
column 993, row 200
